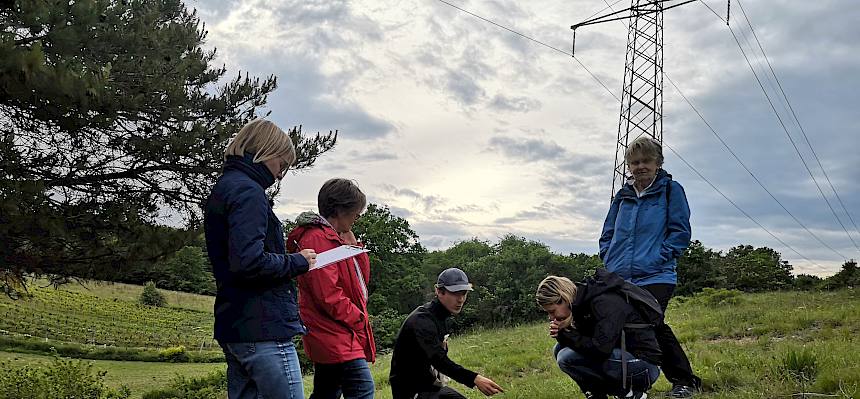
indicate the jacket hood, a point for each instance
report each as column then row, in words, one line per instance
column 592, row 287
column 661, row 180
column 306, row 221
column 311, row 218
column 256, row 171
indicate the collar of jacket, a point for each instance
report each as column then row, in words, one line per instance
column 661, row 181
column 308, row 218
column 256, row 171
column 438, row 310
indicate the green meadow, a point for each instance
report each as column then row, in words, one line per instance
column 765, row 345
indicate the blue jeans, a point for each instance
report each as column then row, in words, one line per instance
column 605, row 376
column 352, row 379
column 268, row 369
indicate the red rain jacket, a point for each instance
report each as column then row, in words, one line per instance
column 332, row 303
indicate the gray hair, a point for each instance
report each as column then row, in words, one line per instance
column 647, row 147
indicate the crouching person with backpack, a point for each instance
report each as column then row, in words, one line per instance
column 605, row 332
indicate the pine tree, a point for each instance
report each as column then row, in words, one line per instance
column 112, row 115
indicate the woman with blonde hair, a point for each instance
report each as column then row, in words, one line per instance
column 256, row 315
column 588, row 320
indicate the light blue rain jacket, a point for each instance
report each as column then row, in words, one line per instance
column 643, row 237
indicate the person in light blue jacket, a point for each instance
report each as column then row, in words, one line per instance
column 646, row 230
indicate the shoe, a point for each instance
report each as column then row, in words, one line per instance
column 590, row 395
column 634, row 395
column 682, row 391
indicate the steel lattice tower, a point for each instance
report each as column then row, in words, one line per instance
column 642, row 91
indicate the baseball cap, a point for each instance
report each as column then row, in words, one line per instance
column 453, row 280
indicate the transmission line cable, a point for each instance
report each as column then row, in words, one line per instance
column 785, row 129
column 757, row 180
column 538, row 42
column 797, row 120
column 738, row 207
column 688, row 102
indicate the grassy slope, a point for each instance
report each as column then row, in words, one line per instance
column 737, row 349
column 108, row 314
column 130, row 293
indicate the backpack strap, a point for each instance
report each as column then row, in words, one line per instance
column 624, row 383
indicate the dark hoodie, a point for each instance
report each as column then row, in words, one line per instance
column 600, row 312
column 418, row 346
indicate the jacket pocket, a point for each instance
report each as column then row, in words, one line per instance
column 286, row 298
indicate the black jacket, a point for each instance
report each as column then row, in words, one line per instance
column 256, row 298
column 599, row 314
column 417, row 347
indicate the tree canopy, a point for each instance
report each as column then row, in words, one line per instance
column 113, row 119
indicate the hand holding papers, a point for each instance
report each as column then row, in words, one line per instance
column 338, row 254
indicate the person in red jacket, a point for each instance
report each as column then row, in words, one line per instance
column 333, row 299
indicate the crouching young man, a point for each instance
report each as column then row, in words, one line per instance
column 605, row 332
column 420, row 365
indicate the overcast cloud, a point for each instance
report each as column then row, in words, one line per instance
column 469, row 131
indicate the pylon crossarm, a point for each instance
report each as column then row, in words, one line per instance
column 636, row 11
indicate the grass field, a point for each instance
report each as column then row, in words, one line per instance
column 140, row 377
column 739, row 346
column 743, row 346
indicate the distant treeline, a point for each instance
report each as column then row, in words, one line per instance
column 505, row 273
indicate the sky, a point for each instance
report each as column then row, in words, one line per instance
column 467, row 130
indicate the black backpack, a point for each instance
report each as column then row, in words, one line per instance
column 648, row 308
column 644, row 303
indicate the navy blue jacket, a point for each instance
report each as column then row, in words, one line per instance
column 643, row 237
column 256, row 297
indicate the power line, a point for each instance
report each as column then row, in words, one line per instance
column 688, row 102
column 757, row 180
column 739, row 208
column 785, row 129
column 538, row 42
column 796, row 119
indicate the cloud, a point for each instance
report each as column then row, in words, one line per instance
column 432, row 95
column 529, row 150
column 427, row 202
column 516, row 104
column 314, row 62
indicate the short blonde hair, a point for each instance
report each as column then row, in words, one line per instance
column 555, row 290
column 265, row 140
column 646, row 146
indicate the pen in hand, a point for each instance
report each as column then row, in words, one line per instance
column 309, row 254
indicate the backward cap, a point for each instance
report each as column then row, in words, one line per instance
column 453, row 279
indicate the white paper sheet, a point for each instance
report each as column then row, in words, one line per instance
column 338, row 254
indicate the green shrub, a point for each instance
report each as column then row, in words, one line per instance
column 211, row 386
column 151, row 296
column 386, row 324
column 718, row 297
column 175, row 354
column 79, row 351
column 60, row 379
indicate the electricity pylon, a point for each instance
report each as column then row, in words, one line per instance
column 642, row 93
